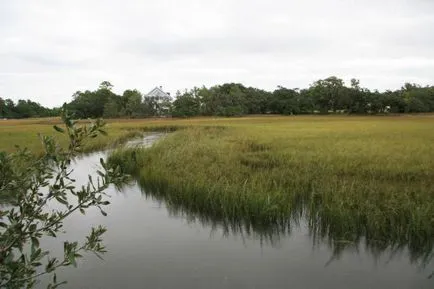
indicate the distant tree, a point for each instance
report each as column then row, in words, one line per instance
column 285, row 101
column 256, row 100
column 105, row 85
column 326, row 93
column 417, row 98
column 234, row 99
column 149, row 106
column 24, row 109
column 91, row 104
column 3, row 109
column 306, row 103
column 229, row 99
column 112, row 109
column 356, row 99
column 186, row 104
column 206, row 101
column 133, row 103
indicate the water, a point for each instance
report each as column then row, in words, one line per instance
column 153, row 246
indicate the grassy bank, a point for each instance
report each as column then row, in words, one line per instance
column 351, row 177
column 25, row 133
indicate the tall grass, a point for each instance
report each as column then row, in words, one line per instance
column 351, row 178
column 25, row 133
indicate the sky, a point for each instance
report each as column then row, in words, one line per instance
column 50, row 49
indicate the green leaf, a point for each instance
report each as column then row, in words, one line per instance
column 101, row 160
column 103, row 132
column 50, row 265
column 35, row 242
column 62, row 201
column 32, row 228
column 61, row 130
column 71, row 259
column 36, row 264
column 35, row 255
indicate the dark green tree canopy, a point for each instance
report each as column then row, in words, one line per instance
column 329, row 95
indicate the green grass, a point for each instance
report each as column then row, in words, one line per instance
column 351, row 177
column 25, row 133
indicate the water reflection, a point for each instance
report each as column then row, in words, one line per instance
column 154, row 241
column 420, row 252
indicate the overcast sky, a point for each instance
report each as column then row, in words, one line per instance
column 50, row 49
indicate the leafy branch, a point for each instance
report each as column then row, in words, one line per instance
column 28, row 185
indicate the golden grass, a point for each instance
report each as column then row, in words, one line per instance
column 24, row 132
column 352, row 176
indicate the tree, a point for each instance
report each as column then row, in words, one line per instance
column 307, row 103
column 91, row 104
column 132, row 101
column 29, row 184
column 256, row 100
column 228, row 99
column 234, row 99
column 186, row 104
column 326, row 93
column 355, row 99
column 285, row 101
column 24, row 109
column 149, row 106
column 106, row 85
column 3, row 110
column 112, row 109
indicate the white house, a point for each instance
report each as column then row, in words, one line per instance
column 159, row 100
column 158, row 93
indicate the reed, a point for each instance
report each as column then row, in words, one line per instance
column 349, row 177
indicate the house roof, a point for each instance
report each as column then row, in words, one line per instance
column 158, row 91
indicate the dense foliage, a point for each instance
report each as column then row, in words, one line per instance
column 24, row 109
column 330, row 95
column 30, row 187
column 104, row 102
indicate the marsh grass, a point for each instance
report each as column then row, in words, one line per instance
column 350, row 178
column 25, row 133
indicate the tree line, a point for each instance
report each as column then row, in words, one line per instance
column 24, row 109
column 329, row 95
column 324, row 96
column 103, row 102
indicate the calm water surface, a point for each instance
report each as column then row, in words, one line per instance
column 150, row 246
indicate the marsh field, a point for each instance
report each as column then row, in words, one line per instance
column 349, row 180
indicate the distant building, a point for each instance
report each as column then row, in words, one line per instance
column 159, row 102
column 158, row 93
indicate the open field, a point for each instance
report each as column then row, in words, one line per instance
column 352, row 177
column 24, row 132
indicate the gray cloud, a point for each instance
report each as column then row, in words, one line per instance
column 226, row 44
column 50, row 49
